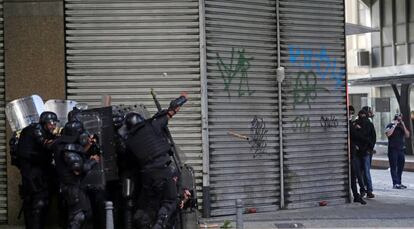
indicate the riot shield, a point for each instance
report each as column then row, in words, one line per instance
column 61, row 108
column 24, row 111
column 98, row 121
column 92, row 123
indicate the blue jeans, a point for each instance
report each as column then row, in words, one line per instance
column 397, row 161
column 366, row 164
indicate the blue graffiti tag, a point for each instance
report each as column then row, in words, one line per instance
column 319, row 62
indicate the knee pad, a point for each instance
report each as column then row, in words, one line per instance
column 142, row 219
column 77, row 220
column 162, row 221
column 38, row 207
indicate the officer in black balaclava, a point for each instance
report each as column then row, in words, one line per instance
column 72, row 164
column 35, row 156
column 147, row 142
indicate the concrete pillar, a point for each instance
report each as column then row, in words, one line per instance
column 34, row 63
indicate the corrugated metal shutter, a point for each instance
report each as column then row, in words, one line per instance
column 315, row 122
column 241, row 63
column 122, row 48
column 3, row 160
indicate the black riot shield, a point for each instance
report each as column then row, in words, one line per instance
column 98, row 121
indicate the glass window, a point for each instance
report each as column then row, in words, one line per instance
column 411, row 12
column 411, row 30
column 388, row 56
column 411, row 53
column 375, row 57
column 400, row 11
column 375, row 15
column 387, row 35
column 401, row 33
column 401, row 54
column 363, row 14
column 375, row 39
column 387, row 12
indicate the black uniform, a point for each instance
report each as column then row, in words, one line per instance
column 157, row 201
column 72, row 165
column 129, row 183
column 35, row 164
column 356, row 176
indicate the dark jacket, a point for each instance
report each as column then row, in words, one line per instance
column 365, row 144
column 147, row 142
column 355, row 137
column 64, row 166
column 33, row 147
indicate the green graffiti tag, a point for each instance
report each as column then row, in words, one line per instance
column 305, row 89
column 237, row 66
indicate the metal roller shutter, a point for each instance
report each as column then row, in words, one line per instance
column 3, row 152
column 122, row 48
column 315, row 120
column 242, row 97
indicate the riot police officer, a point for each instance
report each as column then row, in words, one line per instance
column 35, row 163
column 147, row 142
column 128, row 183
column 72, row 164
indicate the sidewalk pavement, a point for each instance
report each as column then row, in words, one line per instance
column 380, row 159
column 391, row 208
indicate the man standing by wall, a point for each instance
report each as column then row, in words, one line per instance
column 355, row 160
column 396, row 133
column 366, row 147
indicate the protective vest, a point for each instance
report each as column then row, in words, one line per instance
column 64, row 170
column 147, row 144
column 30, row 147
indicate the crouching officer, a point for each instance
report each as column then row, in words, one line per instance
column 35, row 156
column 157, row 202
column 72, row 164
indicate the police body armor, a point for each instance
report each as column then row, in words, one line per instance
column 65, row 173
column 30, row 146
column 70, row 160
column 35, row 167
column 146, row 144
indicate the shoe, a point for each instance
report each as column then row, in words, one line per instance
column 397, row 186
column 403, row 186
column 360, row 200
column 363, row 193
column 370, row 195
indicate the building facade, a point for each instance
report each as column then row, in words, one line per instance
column 383, row 57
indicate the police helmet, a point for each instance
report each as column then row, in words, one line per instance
column 48, row 117
column 117, row 120
column 73, row 128
column 73, row 114
column 132, row 119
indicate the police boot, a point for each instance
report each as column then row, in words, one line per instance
column 128, row 217
column 37, row 215
column 162, row 222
